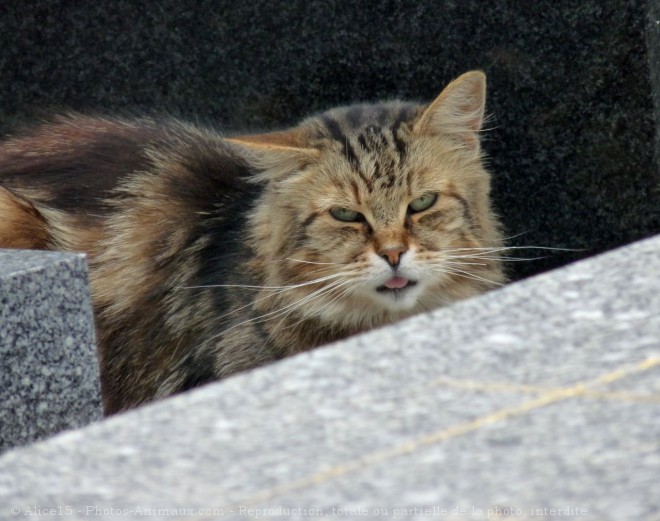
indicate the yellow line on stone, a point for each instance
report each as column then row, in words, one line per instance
column 505, row 387
column 454, row 431
column 623, row 397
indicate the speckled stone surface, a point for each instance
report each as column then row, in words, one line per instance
column 572, row 133
column 539, row 400
column 49, row 377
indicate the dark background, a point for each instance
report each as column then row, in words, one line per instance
column 572, row 134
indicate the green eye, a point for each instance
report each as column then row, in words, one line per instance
column 346, row 215
column 422, row 203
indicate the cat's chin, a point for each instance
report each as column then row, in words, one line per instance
column 397, row 299
column 372, row 308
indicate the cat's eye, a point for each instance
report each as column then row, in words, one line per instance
column 423, row 203
column 346, row 215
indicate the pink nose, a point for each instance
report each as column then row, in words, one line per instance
column 393, row 255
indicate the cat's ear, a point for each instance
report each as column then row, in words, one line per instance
column 275, row 154
column 458, row 112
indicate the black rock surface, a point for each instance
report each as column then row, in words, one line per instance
column 573, row 126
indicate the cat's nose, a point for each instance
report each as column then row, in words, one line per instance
column 393, row 255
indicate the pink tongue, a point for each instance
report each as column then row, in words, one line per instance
column 396, row 283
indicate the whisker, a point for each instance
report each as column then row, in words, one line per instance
column 277, row 312
column 275, row 293
column 235, row 310
column 508, row 238
column 311, row 262
column 318, row 311
column 247, row 286
column 341, row 295
column 468, row 275
column 299, row 304
column 517, row 259
column 465, row 263
column 485, row 256
column 505, row 248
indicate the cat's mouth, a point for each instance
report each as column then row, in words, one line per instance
column 395, row 285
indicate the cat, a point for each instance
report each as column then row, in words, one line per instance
column 211, row 254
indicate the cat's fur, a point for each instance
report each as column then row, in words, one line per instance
column 210, row 255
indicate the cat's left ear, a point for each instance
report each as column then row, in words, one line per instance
column 275, row 154
column 458, row 112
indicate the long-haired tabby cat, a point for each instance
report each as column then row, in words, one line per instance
column 211, row 254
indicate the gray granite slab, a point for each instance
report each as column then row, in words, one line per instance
column 49, row 379
column 585, row 460
column 538, row 398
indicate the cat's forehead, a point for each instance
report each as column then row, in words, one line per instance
column 370, row 145
column 348, row 122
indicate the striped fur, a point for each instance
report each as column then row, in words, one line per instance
column 211, row 255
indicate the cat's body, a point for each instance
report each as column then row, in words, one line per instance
column 210, row 255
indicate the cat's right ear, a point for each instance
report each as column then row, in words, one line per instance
column 276, row 155
column 458, row 112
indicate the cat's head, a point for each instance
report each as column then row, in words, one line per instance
column 373, row 212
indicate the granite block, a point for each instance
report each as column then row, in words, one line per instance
column 571, row 138
column 49, row 380
column 536, row 400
